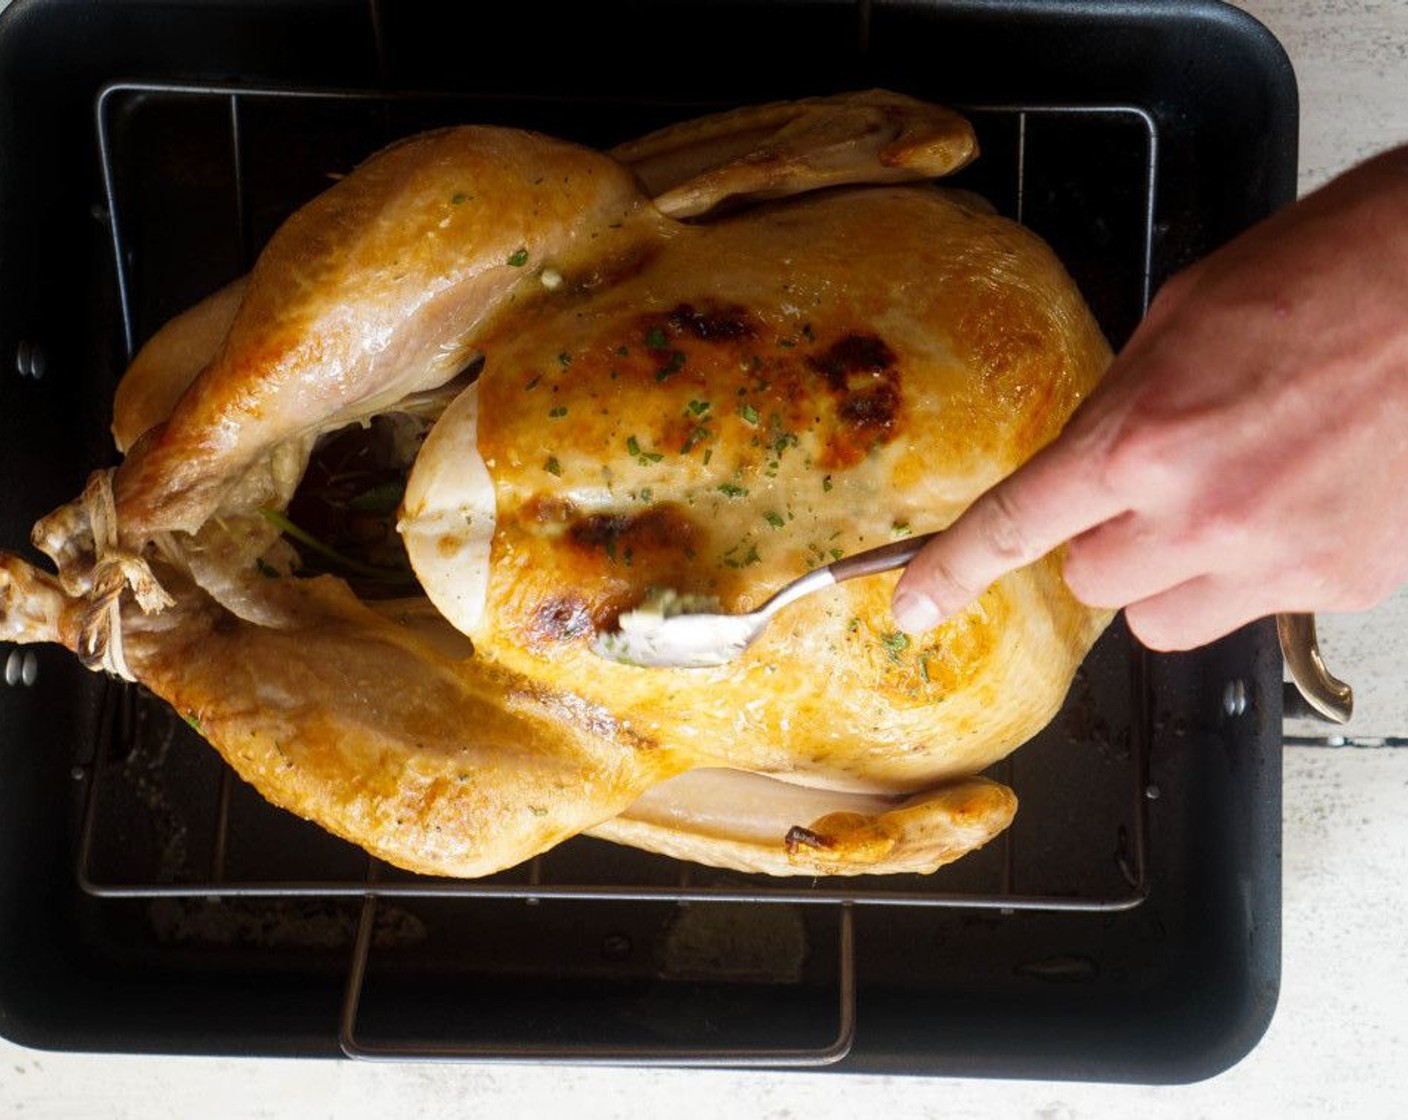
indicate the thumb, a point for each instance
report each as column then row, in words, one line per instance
column 1023, row 517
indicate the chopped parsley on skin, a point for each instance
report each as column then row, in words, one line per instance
column 518, row 259
column 672, row 367
column 826, row 484
column 552, row 466
column 774, row 519
column 749, row 557
column 749, row 413
column 699, row 408
column 640, row 455
column 655, row 339
column 559, row 412
column 895, row 643
column 732, row 490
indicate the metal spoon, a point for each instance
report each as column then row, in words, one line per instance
column 696, row 640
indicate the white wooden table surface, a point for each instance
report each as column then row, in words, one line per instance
column 1338, row 1046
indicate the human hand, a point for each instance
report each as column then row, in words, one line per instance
column 1246, row 453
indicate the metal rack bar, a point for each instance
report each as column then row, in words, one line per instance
column 1003, row 898
column 600, row 1055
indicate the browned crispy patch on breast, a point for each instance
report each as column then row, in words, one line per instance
column 712, row 322
column 628, row 538
column 561, row 617
column 861, row 373
column 579, row 570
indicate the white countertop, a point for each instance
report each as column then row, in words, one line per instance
column 1338, row 1046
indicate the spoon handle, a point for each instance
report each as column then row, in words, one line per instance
column 883, row 559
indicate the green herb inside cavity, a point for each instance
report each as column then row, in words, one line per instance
column 380, row 499
column 349, row 565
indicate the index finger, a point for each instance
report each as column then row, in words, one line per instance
column 1055, row 496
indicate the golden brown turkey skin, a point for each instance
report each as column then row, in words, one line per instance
column 713, row 406
column 383, row 732
column 749, row 399
column 372, row 291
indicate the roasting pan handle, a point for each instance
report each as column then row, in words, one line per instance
column 670, row 1055
column 1329, row 698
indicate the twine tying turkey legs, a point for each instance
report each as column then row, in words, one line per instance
column 115, row 569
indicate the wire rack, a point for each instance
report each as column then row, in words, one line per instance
column 164, row 822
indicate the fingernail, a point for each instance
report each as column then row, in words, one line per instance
column 916, row 613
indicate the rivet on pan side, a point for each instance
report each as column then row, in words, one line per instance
column 30, row 360
column 1234, row 697
column 21, row 667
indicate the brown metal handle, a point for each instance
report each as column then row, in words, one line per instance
column 1329, row 696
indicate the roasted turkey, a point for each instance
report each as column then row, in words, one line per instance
column 705, row 361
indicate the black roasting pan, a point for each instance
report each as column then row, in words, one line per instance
column 1128, row 926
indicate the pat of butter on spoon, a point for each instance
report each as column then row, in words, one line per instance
column 673, row 631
